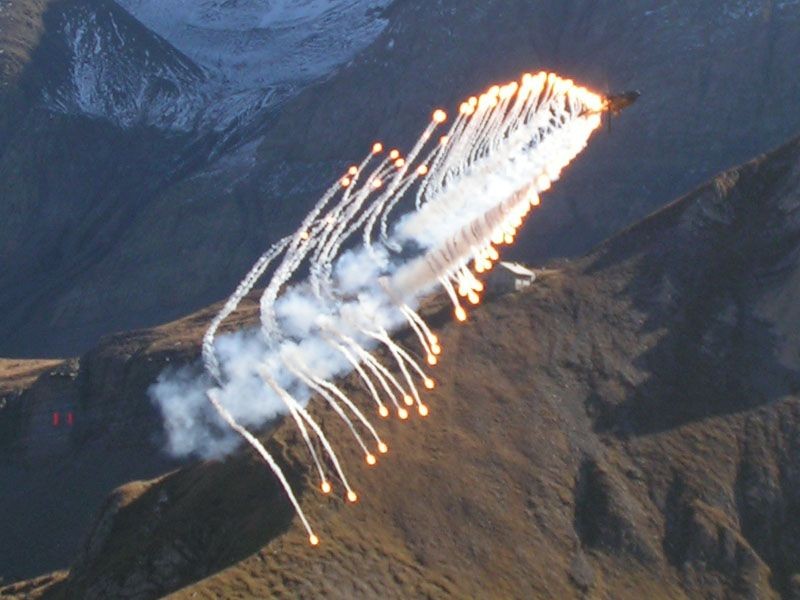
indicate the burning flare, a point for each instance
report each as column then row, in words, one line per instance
column 473, row 186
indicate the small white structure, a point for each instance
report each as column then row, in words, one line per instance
column 509, row 277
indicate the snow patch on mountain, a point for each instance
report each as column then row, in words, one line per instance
column 118, row 70
column 202, row 65
column 264, row 43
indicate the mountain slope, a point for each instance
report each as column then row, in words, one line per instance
column 103, row 63
column 81, row 149
column 718, row 86
column 625, row 428
column 254, row 44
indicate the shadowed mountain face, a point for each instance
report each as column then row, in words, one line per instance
column 94, row 122
column 625, row 428
column 718, row 82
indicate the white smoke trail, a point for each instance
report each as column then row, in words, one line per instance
column 473, row 187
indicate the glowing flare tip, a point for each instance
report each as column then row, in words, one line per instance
column 352, row 496
column 313, row 540
column 439, row 116
column 371, row 460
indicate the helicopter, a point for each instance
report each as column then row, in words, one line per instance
column 613, row 104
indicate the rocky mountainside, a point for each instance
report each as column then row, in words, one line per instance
column 718, row 82
column 80, row 146
column 55, row 475
column 625, row 428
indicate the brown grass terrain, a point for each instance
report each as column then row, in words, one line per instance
column 19, row 374
column 627, row 428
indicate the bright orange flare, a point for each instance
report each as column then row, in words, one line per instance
column 304, row 236
column 439, row 116
column 376, row 183
column 313, row 540
column 473, row 297
column 402, row 413
column 429, row 383
column 422, row 170
column 436, row 348
column 353, row 170
column 408, row 400
column 461, row 314
column 444, row 139
column 497, row 237
column 352, row 496
column 423, row 410
column 325, row 487
column 383, row 411
column 377, row 147
column 399, row 162
column 543, row 182
column 371, row 460
column 508, row 238
column 383, row 448
column 345, row 181
column 394, row 154
column 432, row 360
column 493, row 253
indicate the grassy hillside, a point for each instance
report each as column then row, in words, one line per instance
column 625, row 428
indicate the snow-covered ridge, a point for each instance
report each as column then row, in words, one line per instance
column 118, row 70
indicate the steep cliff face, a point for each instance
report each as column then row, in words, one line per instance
column 626, row 427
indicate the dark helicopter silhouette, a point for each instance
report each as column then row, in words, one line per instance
column 613, row 104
